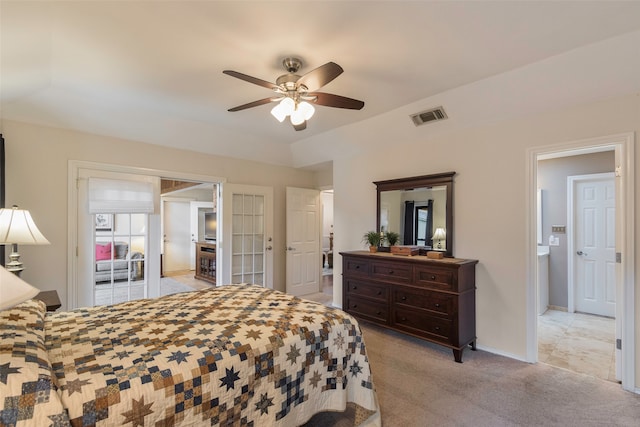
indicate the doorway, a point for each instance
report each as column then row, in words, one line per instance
column 179, row 233
column 622, row 148
column 78, row 220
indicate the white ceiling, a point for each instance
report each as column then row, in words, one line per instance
column 151, row 71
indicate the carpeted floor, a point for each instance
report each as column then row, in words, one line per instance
column 419, row 384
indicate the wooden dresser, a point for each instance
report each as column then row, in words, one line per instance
column 206, row 261
column 433, row 299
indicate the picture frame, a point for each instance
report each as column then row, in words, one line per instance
column 104, row 222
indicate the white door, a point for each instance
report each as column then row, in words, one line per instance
column 594, row 244
column 177, row 236
column 303, row 241
column 245, row 246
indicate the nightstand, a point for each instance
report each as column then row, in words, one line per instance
column 51, row 299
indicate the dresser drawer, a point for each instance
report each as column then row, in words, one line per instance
column 436, row 328
column 435, row 302
column 355, row 267
column 369, row 290
column 435, row 278
column 373, row 310
column 391, row 272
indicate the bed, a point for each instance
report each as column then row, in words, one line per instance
column 229, row 356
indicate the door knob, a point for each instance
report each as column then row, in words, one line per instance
column 289, row 248
column 269, row 247
column 581, row 253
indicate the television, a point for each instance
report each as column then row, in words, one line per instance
column 210, row 226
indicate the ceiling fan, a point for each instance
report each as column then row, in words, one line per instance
column 295, row 94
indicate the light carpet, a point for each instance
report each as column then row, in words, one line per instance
column 419, row 384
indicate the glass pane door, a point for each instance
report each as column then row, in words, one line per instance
column 248, row 218
column 119, row 267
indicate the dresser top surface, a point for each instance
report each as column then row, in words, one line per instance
column 387, row 256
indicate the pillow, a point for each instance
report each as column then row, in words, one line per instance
column 28, row 391
column 103, row 252
column 121, row 249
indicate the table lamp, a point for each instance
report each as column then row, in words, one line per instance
column 17, row 227
column 439, row 235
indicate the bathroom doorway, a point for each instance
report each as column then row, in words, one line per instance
column 569, row 336
column 558, row 337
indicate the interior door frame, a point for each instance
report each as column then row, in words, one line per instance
column 571, row 232
column 623, row 145
column 73, row 171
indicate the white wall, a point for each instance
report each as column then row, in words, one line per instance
column 36, row 179
column 489, row 200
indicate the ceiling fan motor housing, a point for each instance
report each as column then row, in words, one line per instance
column 287, row 81
column 292, row 65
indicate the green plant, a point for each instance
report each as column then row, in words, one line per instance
column 371, row 238
column 392, row 238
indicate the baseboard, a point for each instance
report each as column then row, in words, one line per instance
column 500, row 353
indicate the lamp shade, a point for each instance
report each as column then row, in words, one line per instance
column 439, row 234
column 14, row 290
column 17, row 226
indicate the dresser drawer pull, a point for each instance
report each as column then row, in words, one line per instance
column 390, row 271
column 357, row 267
column 354, row 306
column 437, row 305
column 404, row 319
column 378, row 313
column 379, row 292
column 433, row 277
column 354, row 288
column 403, row 298
column 437, row 328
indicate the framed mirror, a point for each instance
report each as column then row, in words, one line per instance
column 419, row 209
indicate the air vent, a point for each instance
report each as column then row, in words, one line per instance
column 429, row 116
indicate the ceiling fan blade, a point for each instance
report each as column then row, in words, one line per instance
column 250, row 79
column 319, row 77
column 337, row 101
column 301, row 126
column 251, row 104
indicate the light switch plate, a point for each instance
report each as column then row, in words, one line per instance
column 554, row 241
column 558, row 228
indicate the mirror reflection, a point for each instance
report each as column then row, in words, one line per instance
column 419, row 209
column 418, row 215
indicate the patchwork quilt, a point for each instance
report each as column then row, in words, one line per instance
column 237, row 355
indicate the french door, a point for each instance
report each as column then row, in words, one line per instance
column 115, row 251
column 247, row 230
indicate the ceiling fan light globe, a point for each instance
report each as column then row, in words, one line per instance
column 297, row 118
column 279, row 113
column 288, row 105
column 306, row 109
